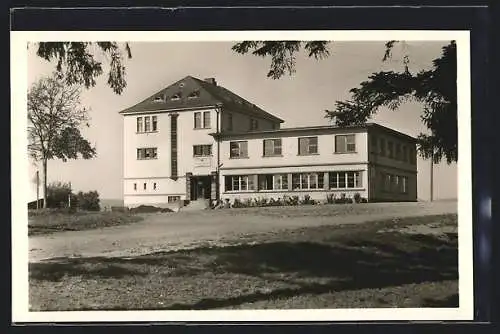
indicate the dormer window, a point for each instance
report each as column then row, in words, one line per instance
column 176, row 96
column 194, row 95
column 158, row 98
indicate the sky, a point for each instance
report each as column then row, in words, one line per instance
column 299, row 99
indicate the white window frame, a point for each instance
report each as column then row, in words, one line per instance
column 202, row 146
column 347, row 142
column 273, row 141
column 239, row 143
column 306, row 178
column 205, row 125
column 357, row 179
column 240, row 181
column 280, row 178
column 144, row 150
column 146, row 124
column 309, row 145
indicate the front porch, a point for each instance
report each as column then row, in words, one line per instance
column 201, row 187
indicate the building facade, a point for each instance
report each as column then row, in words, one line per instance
column 197, row 140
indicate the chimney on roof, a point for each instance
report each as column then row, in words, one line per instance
column 211, row 81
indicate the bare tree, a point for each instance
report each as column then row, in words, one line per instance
column 55, row 115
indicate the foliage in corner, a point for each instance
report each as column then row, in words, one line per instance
column 78, row 64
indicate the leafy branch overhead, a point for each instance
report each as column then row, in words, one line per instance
column 282, row 53
column 434, row 88
column 78, row 64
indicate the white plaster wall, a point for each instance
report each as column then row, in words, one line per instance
column 290, row 157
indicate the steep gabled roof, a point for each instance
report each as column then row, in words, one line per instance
column 193, row 93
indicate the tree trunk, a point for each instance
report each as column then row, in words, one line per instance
column 44, row 183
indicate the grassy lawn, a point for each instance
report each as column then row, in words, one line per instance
column 51, row 221
column 410, row 262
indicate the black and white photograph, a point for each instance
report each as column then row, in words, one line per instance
column 207, row 174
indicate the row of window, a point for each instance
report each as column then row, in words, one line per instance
column 299, row 181
column 177, row 96
column 152, row 152
column 147, row 124
column 391, row 150
column 145, row 186
column 271, row 147
column 394, row 183
column 306, row 146
column 201, row 121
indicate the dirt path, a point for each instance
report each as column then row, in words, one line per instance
column 173, row 231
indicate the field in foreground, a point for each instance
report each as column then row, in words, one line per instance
column 407, row 262
column 51, row 221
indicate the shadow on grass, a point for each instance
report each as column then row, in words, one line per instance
column 55, row 271
column 367, row 262
column 451, row 301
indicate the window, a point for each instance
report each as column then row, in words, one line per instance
column 307, row 181
column 382, row 147
column 387, row 182
column 390, row 149
column 202, row 150
column 394, row 183
column 254, row 124
column 272, row 181
column 238, row 149
column 144, row 185
column 154, row 122
column 135, row 186
column 404, row 185
column 340, row 180
column 154, row 186
column 206, row 119
column 139, row 124
column 230, row 122
column 413, row 156
column 200, row 123
column 144, row 124
column 280, row 181
column 239, row 183
column 398, row 152
column 173, row 199
column 265, row 182
column 405, row 154
column 147, row 153
column 308, row 145
column 272, row 147
column 197, row 120
column 194, row 94
column 345, row 143
column 374, row 144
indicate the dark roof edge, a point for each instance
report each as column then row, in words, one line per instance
column 318, row 128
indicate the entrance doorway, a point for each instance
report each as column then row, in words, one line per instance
column 200, row 187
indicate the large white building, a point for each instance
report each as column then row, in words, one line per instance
column 196, row 140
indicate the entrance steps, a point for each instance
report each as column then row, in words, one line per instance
column 200, row 204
